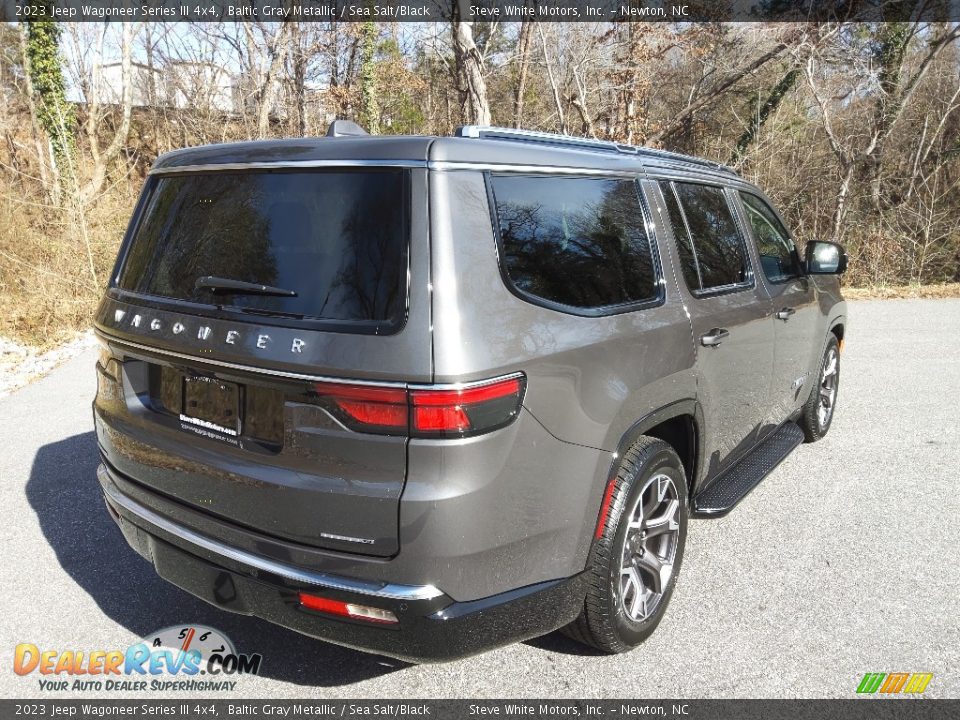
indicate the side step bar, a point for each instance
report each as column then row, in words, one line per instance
column 736, row 483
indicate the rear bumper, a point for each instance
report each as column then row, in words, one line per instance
column 431, row 626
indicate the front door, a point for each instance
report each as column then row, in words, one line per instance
column 794, row 314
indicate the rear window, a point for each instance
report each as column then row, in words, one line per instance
column 336, row 239
column 577, row 242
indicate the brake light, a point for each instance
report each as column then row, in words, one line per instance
column 424, row 411
column 467, row 410
column 349, row 610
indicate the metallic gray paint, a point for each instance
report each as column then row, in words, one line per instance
column 191, row 538
column 487, row 514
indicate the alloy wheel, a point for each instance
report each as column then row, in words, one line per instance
column 828, row 387
column 649, row 548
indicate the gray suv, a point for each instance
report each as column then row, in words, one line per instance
column 423, row 396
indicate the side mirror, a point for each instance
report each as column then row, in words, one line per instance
column 825, row 258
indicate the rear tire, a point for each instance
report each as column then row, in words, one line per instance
column 819, row 409
column 635, row 562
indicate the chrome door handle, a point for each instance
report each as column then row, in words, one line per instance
column 785, row 313
column 715, row 337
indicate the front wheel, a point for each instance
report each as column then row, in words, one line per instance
column 636, row 559
column 818, row 410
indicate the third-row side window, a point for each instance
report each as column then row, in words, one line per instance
column 575, row 241
column 712, row 251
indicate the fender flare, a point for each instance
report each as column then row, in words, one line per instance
column 686, row 406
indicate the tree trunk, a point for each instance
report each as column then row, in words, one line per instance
column 470, row 66
column 40, row 138
column 53, row 113
column 765, row 109
column 269, row 90
column 369, row 114
column 554, row 87
column 523, row 54
column 101, row 161
column 298, row 62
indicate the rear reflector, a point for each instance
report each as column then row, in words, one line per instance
column 424, row 411
column 343, row 609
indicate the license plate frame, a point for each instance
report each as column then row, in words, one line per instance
column 212, row 404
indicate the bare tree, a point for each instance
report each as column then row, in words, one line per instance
column 523, row 60
column 470, row 69
column 102, row 159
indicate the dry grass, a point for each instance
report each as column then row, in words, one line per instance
column 892, row 292
column 47, row 290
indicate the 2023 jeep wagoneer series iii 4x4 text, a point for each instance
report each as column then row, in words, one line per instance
column 424, row 396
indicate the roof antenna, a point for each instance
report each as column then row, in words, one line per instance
column 345, row 128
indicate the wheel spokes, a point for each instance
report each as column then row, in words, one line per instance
column 831, row 366
column 650, row 543
column 665, row 522
column 635, row 594
column 657, row 570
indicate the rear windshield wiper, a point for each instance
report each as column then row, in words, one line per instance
column 239, row 287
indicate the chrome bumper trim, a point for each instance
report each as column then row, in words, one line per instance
column 391, row 591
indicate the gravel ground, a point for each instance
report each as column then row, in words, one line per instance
column 21, row 364
column 842, row 562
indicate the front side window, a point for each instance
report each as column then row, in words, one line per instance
column 336, row 240
column 576, row 242
column 712, row 252
column 778, row 254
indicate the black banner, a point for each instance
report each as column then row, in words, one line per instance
column 855, row 709
column 482, row 10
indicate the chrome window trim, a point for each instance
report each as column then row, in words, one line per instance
column 388, row 590
column 286, row 165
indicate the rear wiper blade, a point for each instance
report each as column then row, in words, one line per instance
column 239, row 287
column 268, row 313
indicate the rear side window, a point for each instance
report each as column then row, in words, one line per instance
column 577, row 242
column 778, row 254
column 712, row 252
column 336, row 239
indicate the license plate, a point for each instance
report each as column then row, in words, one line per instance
column 212, row 404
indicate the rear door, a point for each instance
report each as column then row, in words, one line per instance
column 795, row 312
column 281, row 409
column 729, row 313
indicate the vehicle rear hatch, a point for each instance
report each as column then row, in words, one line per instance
column 262, row 319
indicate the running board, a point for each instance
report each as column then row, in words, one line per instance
column 736, row 483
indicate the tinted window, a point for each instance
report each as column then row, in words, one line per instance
column 778, row 255
column 580, row 242
column 338, row 239
column 712, row 234
column 688, row 261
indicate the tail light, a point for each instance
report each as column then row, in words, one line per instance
column 367, row 408
column 469, row 410
column 425, row 411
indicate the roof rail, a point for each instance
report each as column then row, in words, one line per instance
column 533, row 136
